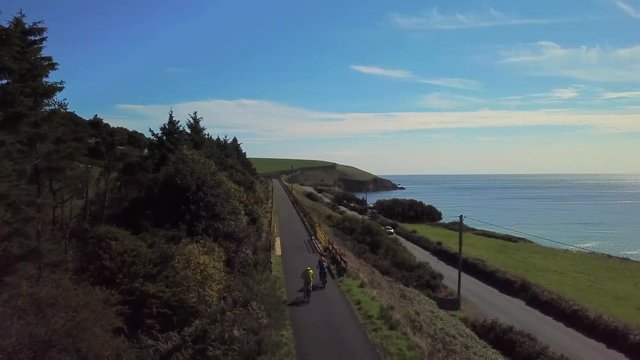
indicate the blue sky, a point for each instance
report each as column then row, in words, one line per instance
column 412, row 87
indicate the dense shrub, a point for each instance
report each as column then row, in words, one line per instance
column 369, row 241
column 312, row 196
column 346, row 199
column 349, row 201
column 56, row 319
column 408, row 210
column 512, row 342
column 199, row 273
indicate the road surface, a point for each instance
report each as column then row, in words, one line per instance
column 485, row 301
column 327, row 327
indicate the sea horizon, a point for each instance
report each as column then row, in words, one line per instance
column 592, row 211
column 462, row 174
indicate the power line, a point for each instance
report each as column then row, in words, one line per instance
column 536, row 236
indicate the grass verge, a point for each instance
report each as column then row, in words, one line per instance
column 602, row 284
column 390, row 341
column 281, row 343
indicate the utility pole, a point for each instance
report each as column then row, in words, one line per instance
column 365, row 203
column 291, row 179
column 459, row 299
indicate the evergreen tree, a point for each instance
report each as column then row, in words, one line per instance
column 171, row 135
column 24, row 89
column 197, row 132
column 168, row 141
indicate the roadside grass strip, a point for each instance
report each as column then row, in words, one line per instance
column 605, row 285
column 283, row 336
column 391, row 343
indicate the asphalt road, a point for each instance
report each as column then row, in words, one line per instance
column 485, row 301
column 327, row 327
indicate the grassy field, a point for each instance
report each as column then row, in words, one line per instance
column 269, row 165
column 350, row 172
column 605, row 285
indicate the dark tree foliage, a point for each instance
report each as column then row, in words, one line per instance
column 24, row 70
column 140, row 247
column 197, row 132
column 346, row 199
column 408, row 210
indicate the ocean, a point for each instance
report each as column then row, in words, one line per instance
column 596, row 212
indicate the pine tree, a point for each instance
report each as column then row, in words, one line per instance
column 24, row 89
column 171, row 135
column 197, row 132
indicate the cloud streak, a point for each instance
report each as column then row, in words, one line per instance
column 440, row 100
column 621, row 95
column 435, row 20
column 555, row 95
column 267, row 120
column 374, row 70
column 628, row 9
column 597, row 64
column 456, row 83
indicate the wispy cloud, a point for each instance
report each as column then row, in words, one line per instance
column 433, row 19
column 453, row 83
column 621, row 95
column 457, row 83
column 268, row 120
column 374, row 70
column 440, row 100
column 555, row 95
column 628, row 9
column 547, row 58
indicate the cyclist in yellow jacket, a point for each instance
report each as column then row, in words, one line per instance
column 307, row 278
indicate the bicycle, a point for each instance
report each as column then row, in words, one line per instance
column 323, row 278
column 307, row 293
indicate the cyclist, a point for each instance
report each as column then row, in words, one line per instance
column 307, row 278
column 323, row 267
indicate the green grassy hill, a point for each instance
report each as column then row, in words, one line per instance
column 322, row 173
column 271, row 165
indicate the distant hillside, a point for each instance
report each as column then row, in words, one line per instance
column 322, row 173
column 271, row 165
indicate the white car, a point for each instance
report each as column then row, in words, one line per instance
column 389, row 230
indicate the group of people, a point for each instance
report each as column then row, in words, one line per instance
column 307, row 274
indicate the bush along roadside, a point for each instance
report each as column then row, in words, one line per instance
column 369, row 242
column 606, row 330
column 512, row 342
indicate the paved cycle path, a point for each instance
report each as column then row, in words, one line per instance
column 327, row 327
